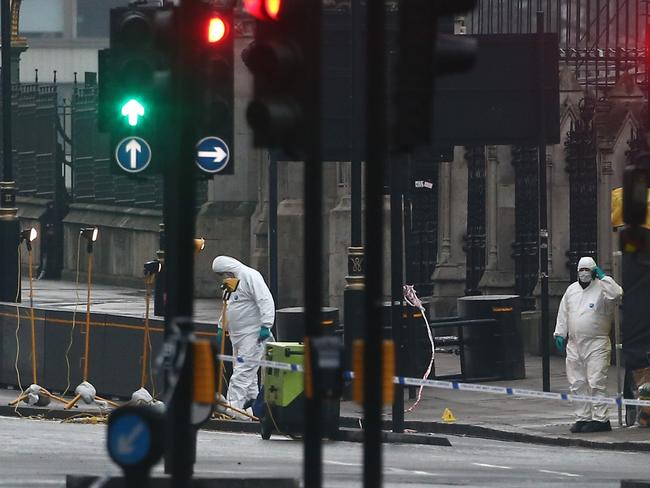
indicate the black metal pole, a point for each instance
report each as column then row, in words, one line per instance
column 179, row 256
column 9, row 224
column 354, row 288
column 273, row 226
column 543, row 218
column 357, row 124
column 313, row 198
column 6, row 91
column 160, row 284
column 396, row 273
column 374, row 176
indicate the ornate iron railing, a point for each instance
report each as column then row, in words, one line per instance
column 474, row 245
column 525, row 247
column 600, row 39
column 583, row 181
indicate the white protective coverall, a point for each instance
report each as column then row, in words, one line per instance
column 584, row 319
column 250, row 308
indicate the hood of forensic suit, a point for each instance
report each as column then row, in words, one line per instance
column 226, row 264
column 586, row 262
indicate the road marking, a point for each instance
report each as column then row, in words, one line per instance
column 28, row 482
column 388, row 468
column 560, row 473
column 410, row 471
column 491, row 466
column 340, row 463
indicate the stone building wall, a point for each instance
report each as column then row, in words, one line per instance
column 235, row 220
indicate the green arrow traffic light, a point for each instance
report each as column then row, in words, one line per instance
column 133, row 110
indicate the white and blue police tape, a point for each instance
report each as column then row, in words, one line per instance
column 456, row 385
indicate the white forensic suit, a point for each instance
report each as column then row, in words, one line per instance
column 584, row 318
column 250, row 308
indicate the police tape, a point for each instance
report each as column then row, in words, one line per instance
column 456, row 385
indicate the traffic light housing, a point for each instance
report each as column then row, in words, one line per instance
column 424, row 53
column 135, row 87
column 213, row 60
column 284, row 62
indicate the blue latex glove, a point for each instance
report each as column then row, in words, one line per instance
column 219, row 335
column 600, row 274
column 560, row 343
column 265, row 333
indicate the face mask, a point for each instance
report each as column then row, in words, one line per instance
column 584, row 276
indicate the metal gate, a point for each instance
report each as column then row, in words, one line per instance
column 34, row 112
column 421, row 225
column 583, row 201
column 474, row 246
column 600, row 39
column 524, row 249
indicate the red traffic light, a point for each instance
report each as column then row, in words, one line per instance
column 264, row 9
column 217, row 29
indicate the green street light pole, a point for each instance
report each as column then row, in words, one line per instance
column 9, row 225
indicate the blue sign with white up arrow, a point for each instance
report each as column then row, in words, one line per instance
column 212, row 154
column 133, row 154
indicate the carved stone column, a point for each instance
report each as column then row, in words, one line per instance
column 444, row 212
column 492, row 208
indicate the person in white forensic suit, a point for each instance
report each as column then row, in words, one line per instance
column 583, row 325
column 250, row 316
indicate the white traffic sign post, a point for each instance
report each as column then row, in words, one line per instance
column 133, row 154
column 212, row 154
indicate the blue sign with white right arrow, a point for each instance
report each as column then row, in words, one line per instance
column 212, row 154
column 133, row 154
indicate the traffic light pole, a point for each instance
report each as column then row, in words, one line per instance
column 353, row 313
column 9, row 224
column 179, row 181
column 374, row 174
column 543, row 223
column 273, row 226
column 397, row 294
column 357, row 121
column 313, row 470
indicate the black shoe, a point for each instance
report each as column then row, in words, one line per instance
column 578, row 426
column 595, row 426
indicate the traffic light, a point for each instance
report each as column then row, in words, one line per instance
column 424, row 53
column 214, row 78
column 284, row 62
column 135, row 85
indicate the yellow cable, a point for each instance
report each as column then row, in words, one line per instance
column 74, row 316
column 20, row 386
column 87, row 339
column 224, row 332
column 146, row 339
column 31, row 315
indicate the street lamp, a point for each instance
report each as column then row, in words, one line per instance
column 90, row 234
column 28, row 236
column 199, row 245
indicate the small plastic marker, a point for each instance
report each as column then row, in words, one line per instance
column 448, row 416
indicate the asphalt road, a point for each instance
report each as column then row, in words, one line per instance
column 38, row 453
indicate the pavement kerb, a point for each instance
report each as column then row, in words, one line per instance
column 81, row 481
column 350, row 425
column 494, row 433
